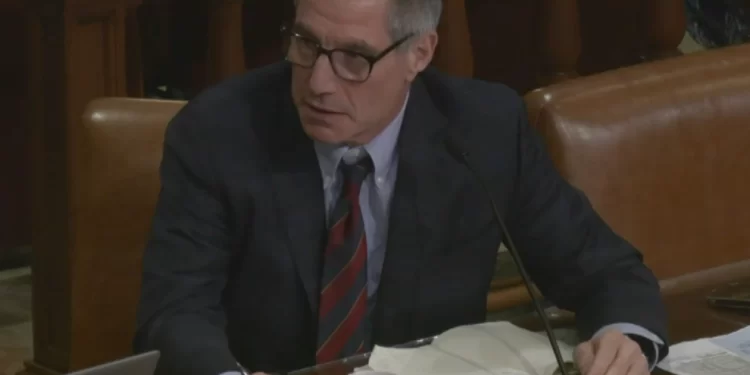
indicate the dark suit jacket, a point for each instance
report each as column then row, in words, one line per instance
column 232, row 267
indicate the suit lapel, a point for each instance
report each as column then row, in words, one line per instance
column 424, row 188
column 298, row 190
column 425, row 185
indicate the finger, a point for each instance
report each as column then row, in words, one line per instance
column 605, row 352
column 584, row 356
column 628, row 352
column 639, row 365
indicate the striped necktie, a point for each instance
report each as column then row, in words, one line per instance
column 343, row 297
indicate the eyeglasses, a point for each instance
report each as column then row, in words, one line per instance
column 348, row 65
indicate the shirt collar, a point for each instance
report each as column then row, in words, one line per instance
column 381, row 149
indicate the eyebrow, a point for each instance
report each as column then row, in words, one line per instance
column 354, row 45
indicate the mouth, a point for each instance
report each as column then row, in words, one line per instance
column 321, row 110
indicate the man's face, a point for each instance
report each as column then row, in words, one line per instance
column 334, row 110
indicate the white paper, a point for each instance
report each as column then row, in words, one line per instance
column 496, row 348
column 737, row 342
column 721, row 355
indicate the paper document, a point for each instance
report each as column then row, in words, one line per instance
column 721, row 355
column 496, row 348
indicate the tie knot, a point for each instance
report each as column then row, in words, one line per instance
column 356, row 165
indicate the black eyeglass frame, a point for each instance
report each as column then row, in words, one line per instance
column 320, row 50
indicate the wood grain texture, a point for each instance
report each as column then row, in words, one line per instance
column 15, row 138
column 78, row 51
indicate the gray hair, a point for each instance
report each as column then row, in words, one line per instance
column 412, row 17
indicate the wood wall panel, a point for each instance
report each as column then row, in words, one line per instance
column 527, row 44
column 261, row 29
column 502, row 36
column 225, row 55
column 15, row 160
column 96, row 54
column 49, row 194
column 79, row 52
column 454, row 53
column 665, row 27
column 558, row 41
column 613, row 34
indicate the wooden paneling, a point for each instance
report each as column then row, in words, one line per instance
column 78, row 52
column 225, row 56
column 15, row 161
column 522, row 43
column 454, row 53
column 558, row 41
column 503, row 36
column 665, row 28
column 531, row 43
column 261, row 25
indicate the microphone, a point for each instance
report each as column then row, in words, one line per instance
column 456, row 148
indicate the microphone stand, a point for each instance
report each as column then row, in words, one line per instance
column 461, row 155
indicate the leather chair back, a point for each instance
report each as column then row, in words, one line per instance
column 118, row 188
column 663, row 152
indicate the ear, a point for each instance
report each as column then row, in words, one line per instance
column 420, row 53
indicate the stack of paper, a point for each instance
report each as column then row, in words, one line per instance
column 498, row 348
column 721, row 355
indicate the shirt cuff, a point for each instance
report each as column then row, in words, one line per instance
column 640, row 335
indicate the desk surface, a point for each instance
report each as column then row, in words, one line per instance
column 690, row 318
column 689, row 308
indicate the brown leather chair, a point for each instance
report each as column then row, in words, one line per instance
column 124, row 138
column 87, row 316
column 663, row 152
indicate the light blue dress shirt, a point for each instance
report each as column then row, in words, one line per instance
column 375, row 196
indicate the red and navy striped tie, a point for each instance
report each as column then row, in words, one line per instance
column 343, row 296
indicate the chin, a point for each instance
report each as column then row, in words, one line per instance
column 324, row 133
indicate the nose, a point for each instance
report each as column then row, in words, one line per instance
column 322, row 78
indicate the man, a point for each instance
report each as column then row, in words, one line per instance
column 310, row 210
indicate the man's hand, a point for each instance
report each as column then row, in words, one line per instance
column 611, row 353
